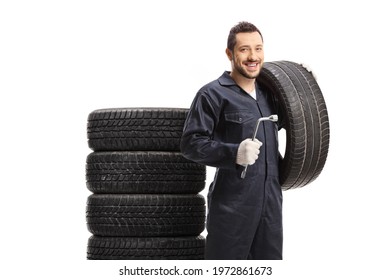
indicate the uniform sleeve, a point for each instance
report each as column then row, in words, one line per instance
column 198, row 143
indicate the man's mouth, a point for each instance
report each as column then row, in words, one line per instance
column 251, row 65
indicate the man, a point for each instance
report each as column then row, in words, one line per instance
column 244, row 219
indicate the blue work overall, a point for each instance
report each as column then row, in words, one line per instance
column 244, row 218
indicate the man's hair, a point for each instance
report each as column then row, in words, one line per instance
column 241, row 27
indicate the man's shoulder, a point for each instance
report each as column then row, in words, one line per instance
column 216, row 86
column 210, row 86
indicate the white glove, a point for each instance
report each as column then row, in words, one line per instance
column 307, row 67
column 248, row 152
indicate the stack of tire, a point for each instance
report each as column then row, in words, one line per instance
column 145, row 202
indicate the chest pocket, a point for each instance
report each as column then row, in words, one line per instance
column 238, row 117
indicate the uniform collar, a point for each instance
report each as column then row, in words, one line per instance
column 226, row 80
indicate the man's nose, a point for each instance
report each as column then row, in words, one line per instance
column 252, row 55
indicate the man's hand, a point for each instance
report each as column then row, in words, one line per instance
column 248, row 152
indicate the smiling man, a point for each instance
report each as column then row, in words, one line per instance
column 244, row 219
column 245, row 51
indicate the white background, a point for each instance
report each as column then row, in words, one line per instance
column 60, row 60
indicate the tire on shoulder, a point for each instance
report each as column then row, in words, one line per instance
column 305, row 120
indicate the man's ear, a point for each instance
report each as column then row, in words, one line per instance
column 229, row 54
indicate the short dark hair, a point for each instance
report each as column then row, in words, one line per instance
column 241, row 27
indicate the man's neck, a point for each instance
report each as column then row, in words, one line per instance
column 246, row 84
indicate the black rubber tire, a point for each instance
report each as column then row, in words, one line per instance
column 143, row 173
column 136, row 129
column 305, row 120
column 146, row 248
column 145, row 215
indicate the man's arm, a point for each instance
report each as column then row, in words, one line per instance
column 197, row 142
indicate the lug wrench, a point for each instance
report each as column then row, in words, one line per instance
column 272, row 118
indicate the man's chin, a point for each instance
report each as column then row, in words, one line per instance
column 251, row 75
column 247, row 74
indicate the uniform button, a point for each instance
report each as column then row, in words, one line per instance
column 240, row 119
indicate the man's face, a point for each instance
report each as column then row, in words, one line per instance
column 248, row 56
